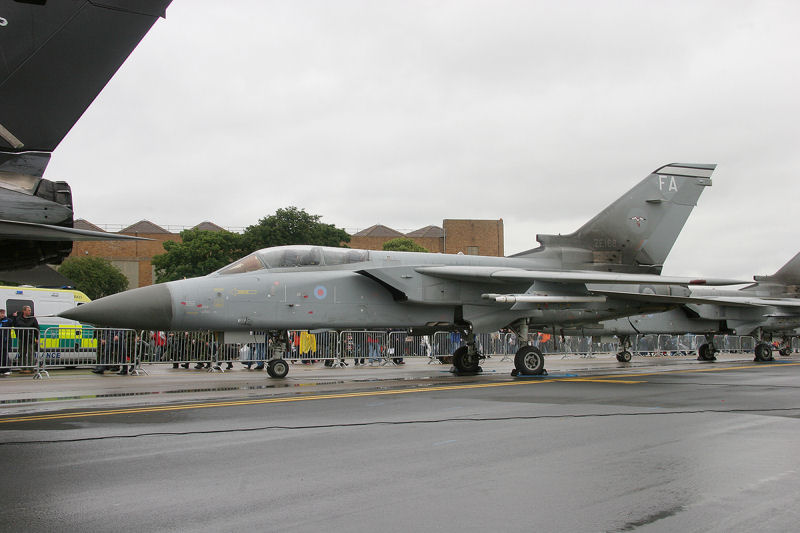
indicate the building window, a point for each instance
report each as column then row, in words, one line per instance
column 472, row 250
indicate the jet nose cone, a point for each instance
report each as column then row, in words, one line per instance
column 144, row 308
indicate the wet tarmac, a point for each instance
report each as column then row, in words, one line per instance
column 660, row 444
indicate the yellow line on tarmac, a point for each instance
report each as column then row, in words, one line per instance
column 693, row 370
column 601, row 380
column 154, row 409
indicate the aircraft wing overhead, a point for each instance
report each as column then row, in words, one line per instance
column 511, row 275
column 57, row 56
column 13, row 230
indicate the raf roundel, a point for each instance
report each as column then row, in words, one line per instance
column 320, row 292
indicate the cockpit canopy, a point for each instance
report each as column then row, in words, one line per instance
column 294, row 256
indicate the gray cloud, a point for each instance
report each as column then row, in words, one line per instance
column 405, row 113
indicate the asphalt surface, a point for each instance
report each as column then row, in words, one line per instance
column 660, row 444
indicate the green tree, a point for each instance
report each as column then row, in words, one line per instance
column 200, row 252
column 291, row 225
column 94, row 276
column 403, row 244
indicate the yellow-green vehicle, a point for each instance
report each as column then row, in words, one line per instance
column 61, row 341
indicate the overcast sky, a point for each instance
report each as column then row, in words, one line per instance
column 405, row 113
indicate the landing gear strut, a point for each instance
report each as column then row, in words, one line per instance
column 277, row 367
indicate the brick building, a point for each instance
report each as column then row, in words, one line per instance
column 471, row 237
column 474, row 237
column 133, row 258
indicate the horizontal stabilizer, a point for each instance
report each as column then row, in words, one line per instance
column 10, row 229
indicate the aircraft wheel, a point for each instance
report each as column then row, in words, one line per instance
column 529, row 361
column 763, row 352
column 704, row 353
column 785, row 352
column 464, row 362
column 328, row 363
column 624, row 356
column 277, row 368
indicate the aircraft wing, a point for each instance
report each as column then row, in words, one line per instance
column 737, row 301
column 57, row 56
column 662, row 298
column 748, row 300
column 517, row 275
column 13, row 230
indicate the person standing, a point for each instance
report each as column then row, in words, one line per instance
column 27, row 330
column 5, row 336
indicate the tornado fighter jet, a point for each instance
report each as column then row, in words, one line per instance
column 319, row 288
column 767, row 308
column 55, row 58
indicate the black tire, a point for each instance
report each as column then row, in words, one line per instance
column 763, row 352
column 328, row 362
column 277, row 368
column 704, row 353
column 624, row 356
column 463, row 362
column 529, row 361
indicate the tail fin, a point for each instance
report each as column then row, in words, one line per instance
column 788, row 274
column 636, row 232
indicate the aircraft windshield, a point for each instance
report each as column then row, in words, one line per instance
column 295, row 256
column 245, row 264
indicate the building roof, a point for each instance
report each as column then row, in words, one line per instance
column 427, row 232
column 85, row 224
column 378, row 230
column 144, row 226
column 208, row 226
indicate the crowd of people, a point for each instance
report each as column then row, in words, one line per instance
column 26, row 329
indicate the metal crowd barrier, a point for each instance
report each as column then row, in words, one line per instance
column 20, row 349
column 84, row 346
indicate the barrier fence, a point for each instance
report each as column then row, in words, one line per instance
column 28, row 349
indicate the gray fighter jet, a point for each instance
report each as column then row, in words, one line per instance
column 316, row 288
column 768, row 308
column 56, row 57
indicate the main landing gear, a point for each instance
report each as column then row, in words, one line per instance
column 528, row 361
column 763, row 349
column 785, row 348
column 707, row 351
